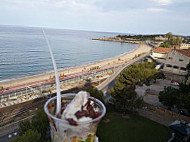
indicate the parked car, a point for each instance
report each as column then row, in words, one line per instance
column 183, row 112
column 176, row 83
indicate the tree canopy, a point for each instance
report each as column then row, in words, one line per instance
column 125, row 98
column 169, row 97
column 123, row 94
column 139, row 74
column 34, row 130
column 94, row 92
column 172, row 41
column 29, row 136
column 176, row 97
column 169, row 35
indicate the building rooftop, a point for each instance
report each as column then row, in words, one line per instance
column 162, row 50
column 185, row 52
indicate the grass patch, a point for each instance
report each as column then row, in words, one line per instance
column 133, row 129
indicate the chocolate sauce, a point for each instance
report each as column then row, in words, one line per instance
column 82, row 113
column 72, row 122
column 88, row 112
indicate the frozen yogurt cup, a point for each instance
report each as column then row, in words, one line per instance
column 77, row 121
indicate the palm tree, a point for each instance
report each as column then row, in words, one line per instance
column 169, row 36
column 173, row 41
column 180, row 41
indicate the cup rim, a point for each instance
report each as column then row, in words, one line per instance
column 79, row 123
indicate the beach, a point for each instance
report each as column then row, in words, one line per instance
column 142, row 48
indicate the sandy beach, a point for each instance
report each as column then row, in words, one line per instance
column 107, row 62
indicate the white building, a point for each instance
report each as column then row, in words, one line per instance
column 161, row 38
column 185, row 46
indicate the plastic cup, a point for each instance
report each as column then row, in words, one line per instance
column 62, row 131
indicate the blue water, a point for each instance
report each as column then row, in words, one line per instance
column 23, row 50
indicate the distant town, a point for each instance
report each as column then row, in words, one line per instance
column 149, row 87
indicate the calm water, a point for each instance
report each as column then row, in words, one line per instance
column 23, row 50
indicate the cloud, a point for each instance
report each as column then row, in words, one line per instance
column 169, row 2
column 56, row 3
column 157, row 10
column 100, row 15
column 72, row 6
column 163, row 2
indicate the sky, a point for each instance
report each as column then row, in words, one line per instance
column 124, row 16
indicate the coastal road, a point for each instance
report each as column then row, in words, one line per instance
column 109, row 82
column 104, row 85
column 9, row 133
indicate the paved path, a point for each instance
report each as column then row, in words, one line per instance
column 150, row 93
column 164, row 120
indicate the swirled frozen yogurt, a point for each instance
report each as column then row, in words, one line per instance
column 80, row 109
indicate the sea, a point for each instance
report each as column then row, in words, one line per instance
column 24, row 52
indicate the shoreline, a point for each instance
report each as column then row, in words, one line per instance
column 123, row 58
column 118, row 40
column 66, row 68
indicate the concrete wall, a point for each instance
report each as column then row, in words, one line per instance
column 171, row 76
column 160, row 57
column 176, row 63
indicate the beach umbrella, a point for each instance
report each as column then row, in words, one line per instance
column 180, row 127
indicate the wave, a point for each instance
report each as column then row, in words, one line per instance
column 35, row 51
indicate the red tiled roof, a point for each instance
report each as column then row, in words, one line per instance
column 185, row 52
column 162, row 50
